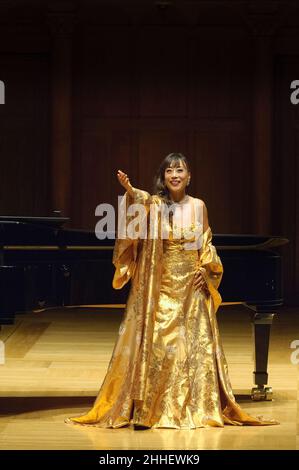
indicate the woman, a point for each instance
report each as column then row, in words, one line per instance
column 167, row 368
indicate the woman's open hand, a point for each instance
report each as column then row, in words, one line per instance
column 199, row 282
column 124, row 181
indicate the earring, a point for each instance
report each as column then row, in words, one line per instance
column 188, row 182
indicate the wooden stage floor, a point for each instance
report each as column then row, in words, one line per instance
column 55, row 362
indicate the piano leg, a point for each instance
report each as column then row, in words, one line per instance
column 261, row 323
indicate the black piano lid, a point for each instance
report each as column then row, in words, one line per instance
column 29, row 230
column 49, row 221
column 247, row 241
column 46, row 231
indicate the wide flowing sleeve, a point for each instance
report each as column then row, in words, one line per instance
column 211, row 267
column 125, row 248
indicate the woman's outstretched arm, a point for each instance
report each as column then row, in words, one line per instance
column 136, row 195
column 125, row 248
column 125, row 182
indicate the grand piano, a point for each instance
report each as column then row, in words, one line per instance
column 44, row 265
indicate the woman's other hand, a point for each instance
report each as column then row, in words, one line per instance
column 200, row 283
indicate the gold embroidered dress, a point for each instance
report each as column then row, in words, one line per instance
column 167, row 368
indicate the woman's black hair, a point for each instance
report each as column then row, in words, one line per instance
column 160, row 187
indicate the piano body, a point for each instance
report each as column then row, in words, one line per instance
column 44, row 265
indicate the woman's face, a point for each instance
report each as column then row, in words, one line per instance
column 176, row 177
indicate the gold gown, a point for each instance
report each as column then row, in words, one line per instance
column 168, row 367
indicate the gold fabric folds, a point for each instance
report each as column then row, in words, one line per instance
column 167, row 367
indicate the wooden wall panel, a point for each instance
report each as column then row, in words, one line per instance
column 104, row 69
column 213, row 176
column 24, row 136
column 163, row 71
column 171, row 89
column 285, row 191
